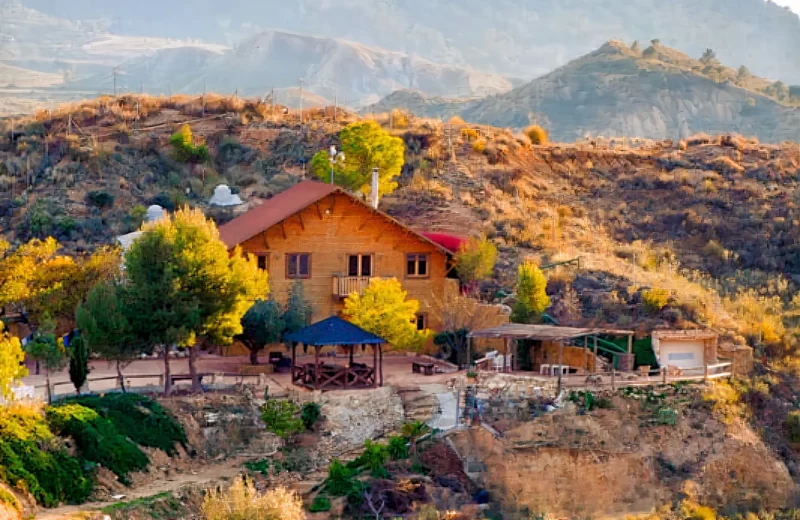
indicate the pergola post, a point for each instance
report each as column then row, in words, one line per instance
column 294, row 358
column 560, row 363
column 316, row 367
column 506, row 343
column 469, row 353
column 586, row 353
column 380, row 361
column 375, row 365
column 594, row 365
column 630, row 344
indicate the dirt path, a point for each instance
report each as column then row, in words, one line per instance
column 206, row 475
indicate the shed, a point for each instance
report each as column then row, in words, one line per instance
column 326, row 376
column 685, row 349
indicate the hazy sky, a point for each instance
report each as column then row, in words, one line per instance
column 794, row 4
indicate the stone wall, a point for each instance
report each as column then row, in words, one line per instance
column 355, row 415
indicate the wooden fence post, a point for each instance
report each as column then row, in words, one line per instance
column 664, row 375
column 613, row 378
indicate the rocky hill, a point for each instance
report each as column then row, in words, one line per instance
column 621, row 91
column 329, row 67
column 519, row 38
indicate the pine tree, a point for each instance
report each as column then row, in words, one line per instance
column 298, row 309
column 78, row 363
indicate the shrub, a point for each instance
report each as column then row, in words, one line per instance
column 281, row 418
column 30, row 461
column 479, row 146
column 469, row 134
column 163, row 200
column 100, row 199
column 242, row 500
column 398, row 448
column 655, row 299
column 9, row 499
column 341, row 479
column 320, row 504
column 793, row 425
column 310, row 414
column 536, row 134
column 373, row 458
column 140, row 419
column 97, row 439
column 456, row 120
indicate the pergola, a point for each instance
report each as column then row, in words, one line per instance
column 551, row 333
column 335, row 331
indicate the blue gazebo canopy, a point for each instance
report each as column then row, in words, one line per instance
column 333, row 331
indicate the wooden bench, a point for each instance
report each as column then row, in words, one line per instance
column 422, row 368
column 188, row 377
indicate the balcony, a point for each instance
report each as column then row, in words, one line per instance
column 344, row 286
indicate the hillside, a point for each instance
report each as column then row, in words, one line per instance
column 622, row 91
column 524, row 38
column 710, row 221
column 274, row 59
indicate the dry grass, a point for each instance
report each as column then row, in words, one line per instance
column 243, row 501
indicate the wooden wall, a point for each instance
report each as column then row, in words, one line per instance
column 337, row 227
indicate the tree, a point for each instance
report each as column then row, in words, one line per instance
column 635, row 47
column 709, row 56
column 384, row 311
column 183, row 284
column 536, row 134
column 743, row 72
column 78, row 363
column 475, row 260
column 105, row 329
column 47, row 350
column 460, row 316
column 262, row 324
column 532, row 299
column 19, row 268
column 184, row 149
column 12, row 357
column 366, row 146
column 298, row 309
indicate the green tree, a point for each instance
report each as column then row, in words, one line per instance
column 475, row 260
column 532, row 299
column 262, row 325
column 709, row 56
column 184, row 149
column 12, row 357
column 78, row 363
column 47, row 350
column 105, row 329
column 385, row 311
column 366, row 146
column 298, row 309
column 183, row 284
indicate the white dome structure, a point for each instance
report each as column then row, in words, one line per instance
column 224, row 197
column 155, row 213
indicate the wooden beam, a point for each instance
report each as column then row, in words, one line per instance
column 560, row 364
column 266, row 243
column 586, row 353
column 302, row 224
column 594, row 367
column 316, row 367
column 319, row 211
column 380, row 362
column 283, row 229
column 630, row 344
column 375, row 364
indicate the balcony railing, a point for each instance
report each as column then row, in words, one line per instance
column 344, row 286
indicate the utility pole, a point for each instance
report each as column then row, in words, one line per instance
column 204, row 99
column 301, row 101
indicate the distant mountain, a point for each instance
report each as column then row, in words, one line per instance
column 329, row 67
column 520, row 38
column 623, row 91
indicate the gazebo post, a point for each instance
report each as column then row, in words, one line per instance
column 560, row 363
column 349, row 366
column 316, row 367
column 375, row 364
column 294, row 356
column 380, row 354
column 352, row 348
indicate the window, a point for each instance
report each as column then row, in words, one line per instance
column 417, row 265
column 680, row 356
column 262, row 262
column 298, row 265
column 359, row 265
column 422, row 321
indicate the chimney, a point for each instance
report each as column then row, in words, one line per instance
column 374, row 192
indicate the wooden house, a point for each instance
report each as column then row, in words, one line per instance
column 335, row 243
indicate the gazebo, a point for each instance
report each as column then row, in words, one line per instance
column 335, row 331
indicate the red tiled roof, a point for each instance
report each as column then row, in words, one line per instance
column 288, row 203
column 449, row 242
column 274, row 211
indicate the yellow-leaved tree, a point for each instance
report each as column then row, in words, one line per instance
column 532, row 298
column 385, row 310
column 11, row 358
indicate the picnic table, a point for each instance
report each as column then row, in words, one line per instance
column 419, row 367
